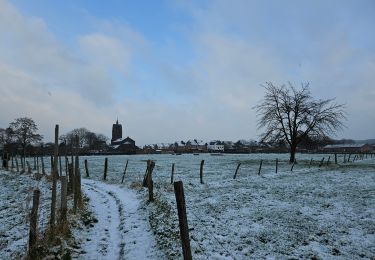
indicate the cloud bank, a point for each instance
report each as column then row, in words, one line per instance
column 202, row 83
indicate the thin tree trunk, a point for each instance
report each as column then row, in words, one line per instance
column 292, row 158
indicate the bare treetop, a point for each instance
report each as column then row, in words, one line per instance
column 25, row 129
column 290, row 114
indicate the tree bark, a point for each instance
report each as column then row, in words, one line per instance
column 293, row 149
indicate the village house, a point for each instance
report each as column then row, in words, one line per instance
column 215, row 146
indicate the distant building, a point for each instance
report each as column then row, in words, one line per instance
column 116, row 132
column 120, row 145
column 353, row 148
column 215, row 146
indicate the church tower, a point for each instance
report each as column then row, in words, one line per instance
column 116, row 131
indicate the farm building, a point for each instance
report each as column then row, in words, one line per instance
column 353, row 148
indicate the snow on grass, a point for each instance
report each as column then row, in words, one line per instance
column 312, row 212
column 120, row 231
column 15, row 206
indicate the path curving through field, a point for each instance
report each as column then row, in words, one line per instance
column 121, row 232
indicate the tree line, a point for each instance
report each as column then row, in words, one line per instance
column 21, row 137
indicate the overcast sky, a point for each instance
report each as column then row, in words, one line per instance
column 174, row 70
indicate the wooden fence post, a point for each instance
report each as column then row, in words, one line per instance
column 18, row 169
column 150, row 182
column 60, row 166
column 329, row 157
column 42, row 160
column 77, row 185
column 71, row 178
column 51, row 165
column 335, row 158
column 54, row 178
column 64, row 207
column 2, row 159
column 277, row 164
column 34, row 221
column 66, row 166
column 7, row 161
column 34, row 163
column 12, row 167
column 22, row 165
column 105, row 168
column 260, row 167
column 345, row 158
column 182, row 219
column 123, row 176
column 310, row 162
column 87, row 169
column 201, row 171
column 172, row 173
column 144, row 183
column 37, row 164
column 235, row 173
column 28, row 167
column 321, row 162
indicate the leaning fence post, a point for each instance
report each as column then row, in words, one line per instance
column 42, row 160
column 123, row 176
column 182, row 219
column 329, row 157
column 260, row 167
column 201, row 171
column 144, row 183
column 321, row 162
column 150, row 182
column 34, row 221
column 235, row 173
column 172, row 173
column 105, row 168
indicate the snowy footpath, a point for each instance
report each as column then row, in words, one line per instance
column 120, row 232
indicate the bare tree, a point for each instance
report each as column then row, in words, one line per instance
column 291, row 114
column 24, row 130
column 86, row 139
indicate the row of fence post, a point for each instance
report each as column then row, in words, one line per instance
column 70, row 183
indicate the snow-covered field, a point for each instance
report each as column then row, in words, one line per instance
column 313, row 212
column 16, row 193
